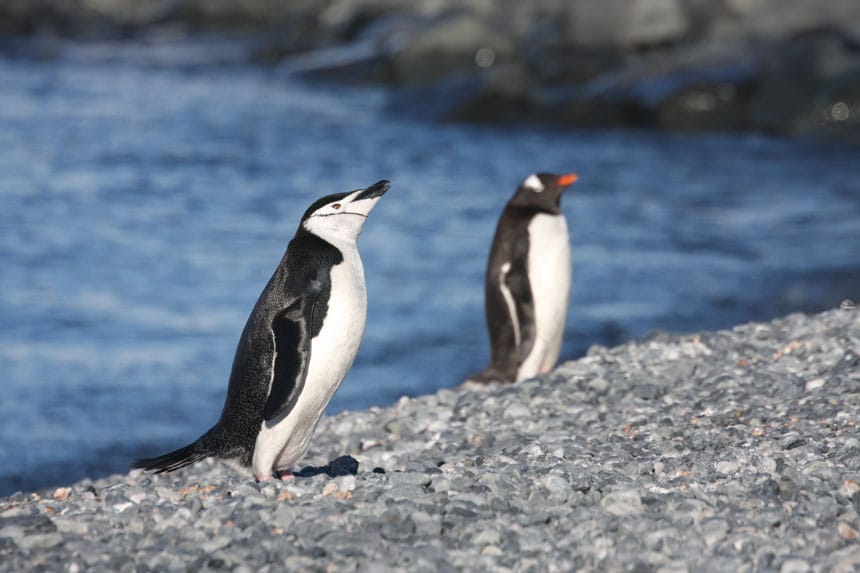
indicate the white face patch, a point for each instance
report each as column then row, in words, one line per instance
column 343, row 219
column 532, row 182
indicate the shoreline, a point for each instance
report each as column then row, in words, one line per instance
column 729, row 450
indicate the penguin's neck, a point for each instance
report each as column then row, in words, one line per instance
column 528, row 210
column 346, row 246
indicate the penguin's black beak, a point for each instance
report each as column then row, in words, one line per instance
column 378, row 189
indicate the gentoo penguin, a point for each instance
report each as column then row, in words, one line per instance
column 296, row 347
column 527, row 285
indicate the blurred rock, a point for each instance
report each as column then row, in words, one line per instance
column 774, row 19
column 451, row 45
column 705, row 105
column 625, row 24
column 777, row 66
column 798, row 80
column 500, row 94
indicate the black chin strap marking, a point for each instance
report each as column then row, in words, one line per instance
column 341, row 213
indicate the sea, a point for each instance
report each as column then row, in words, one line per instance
column 148, row 189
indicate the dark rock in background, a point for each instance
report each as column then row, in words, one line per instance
column 765, row 65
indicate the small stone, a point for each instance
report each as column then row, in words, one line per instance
column 792, row 440
column 40, row 541
column 61, row 493
column 440, row 484
column 624, row 502
column 216, row 543
column 517, row 411
column 284, row 515
column 556, row 484
column 71, row 526
column 767, row 465
column 714, row 531
column 599, row 385
column 18, row 527
column 727, row 468
column 675, row 567
column 491, row 550
column 368, row 444
column 330, row 488
column 394, row 527
column 648, row 391
column 120, row 507
column 487, row 537
column 814, row 384
column 409, row 478
column 168, row 494
column 267, row 490
column 820, row 469
column 346, row 483
column 794, row 566
column 846, row 531
column 393, row 427
column 849, row 487
column 426, row 525
column 136, row 526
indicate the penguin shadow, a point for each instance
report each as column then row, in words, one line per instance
column 342, row 466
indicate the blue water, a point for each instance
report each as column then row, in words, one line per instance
column 148, row 191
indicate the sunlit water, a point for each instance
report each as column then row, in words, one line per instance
column 147, row 193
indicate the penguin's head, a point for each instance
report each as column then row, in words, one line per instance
column 342, row 215
column 542, row 191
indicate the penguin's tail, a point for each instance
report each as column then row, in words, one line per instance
column 171, row 461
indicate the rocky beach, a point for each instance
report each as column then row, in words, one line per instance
column 735, row 450
column 156, row 149
column 731, row 65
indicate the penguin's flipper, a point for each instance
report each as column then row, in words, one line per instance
column 516, row 282
column 292, row 354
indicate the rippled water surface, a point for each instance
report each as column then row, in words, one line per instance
column 147, row 193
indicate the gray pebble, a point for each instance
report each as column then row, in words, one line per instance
column 40, row 541
column 693, row 453
column 624, row 502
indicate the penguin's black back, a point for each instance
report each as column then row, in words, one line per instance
column 308, row 258
column 510, row 245
column 306, row 265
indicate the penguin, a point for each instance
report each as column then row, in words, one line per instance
column 528, row 280
column 297, row 346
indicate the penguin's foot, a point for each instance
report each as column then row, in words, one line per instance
column 267, row 477
column 483, row 378
column 284, row 475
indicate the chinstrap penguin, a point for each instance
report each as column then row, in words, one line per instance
column 297, row 346
column 528, row 279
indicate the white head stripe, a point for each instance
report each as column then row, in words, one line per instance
column 533, row 183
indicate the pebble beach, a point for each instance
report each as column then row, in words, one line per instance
column 735, row 450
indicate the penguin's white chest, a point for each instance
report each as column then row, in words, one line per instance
column 549, row 272
column 333, row 351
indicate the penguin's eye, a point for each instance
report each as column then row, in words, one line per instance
column 336, row 206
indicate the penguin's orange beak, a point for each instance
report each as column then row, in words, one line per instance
column 566, row 180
